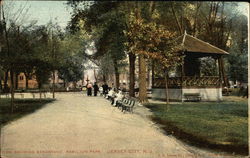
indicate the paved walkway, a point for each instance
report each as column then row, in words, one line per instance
column 77, row 126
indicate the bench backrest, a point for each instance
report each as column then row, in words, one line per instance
column 125, row 100
column 132, row 103
column 129, row 101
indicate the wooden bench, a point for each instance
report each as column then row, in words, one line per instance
column 226, row 91
column 119, row 102
column 192, row 96
column 126, row 104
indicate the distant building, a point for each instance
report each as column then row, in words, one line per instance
column 32, row 83
column 20, row 82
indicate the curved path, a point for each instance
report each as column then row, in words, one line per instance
column 77, row 126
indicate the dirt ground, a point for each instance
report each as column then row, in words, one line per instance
column 77, row 126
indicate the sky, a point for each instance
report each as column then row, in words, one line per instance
column 243, row 7
column 44, row 11
column 50, row 10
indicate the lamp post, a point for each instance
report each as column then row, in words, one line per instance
column 87, row 79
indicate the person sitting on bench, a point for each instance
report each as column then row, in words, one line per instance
column 110, row 94
column 118, row 97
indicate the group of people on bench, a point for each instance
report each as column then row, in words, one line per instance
column 105, row 91
column 114, row 96
column 121, row 101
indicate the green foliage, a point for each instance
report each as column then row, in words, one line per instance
column 237, row 69
column 104, row 22
column 105, row 66
column 153, row 41
column 237, row 59
column 71, row 70
column 208, row 67
column 42, row 72
column 71, row 58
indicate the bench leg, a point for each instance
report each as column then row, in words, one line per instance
column 132, row 110
column 123, row 108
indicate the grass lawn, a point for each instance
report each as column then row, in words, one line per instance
column 22, row 108
column 217, row 125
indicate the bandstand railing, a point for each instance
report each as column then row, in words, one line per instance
column 188, row 81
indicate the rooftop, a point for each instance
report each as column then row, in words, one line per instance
column 194, row 45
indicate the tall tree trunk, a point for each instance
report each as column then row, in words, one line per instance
column 220, row 72
column 142, row 62
column 198, row 4
column 142, row 79
column 64, row 84
column 117, row 75
column 104, row 78
column 16, row 80
column 132, row 59
column 153, row 73
column 12, row 89
column 176, row 18
column 53, row 84
column 8, row 48
column 26, row 81
column 166, row 81
column 148, row 75
column 1, row 86
column 8, row 56
column 225, row 81
column 6, row 76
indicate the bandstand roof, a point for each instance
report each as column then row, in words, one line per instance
column 194, row 45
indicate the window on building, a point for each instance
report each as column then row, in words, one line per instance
column 20, row 77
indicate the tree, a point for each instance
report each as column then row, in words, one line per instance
column 72, row 56
column 155, row 42
column 39, row 61
column 105, row 67
column 1, row 78
column 9, row 53
column 71, row 71
column 105, row 23
column 208, row 67
column 42, row 73
column 54, row 54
